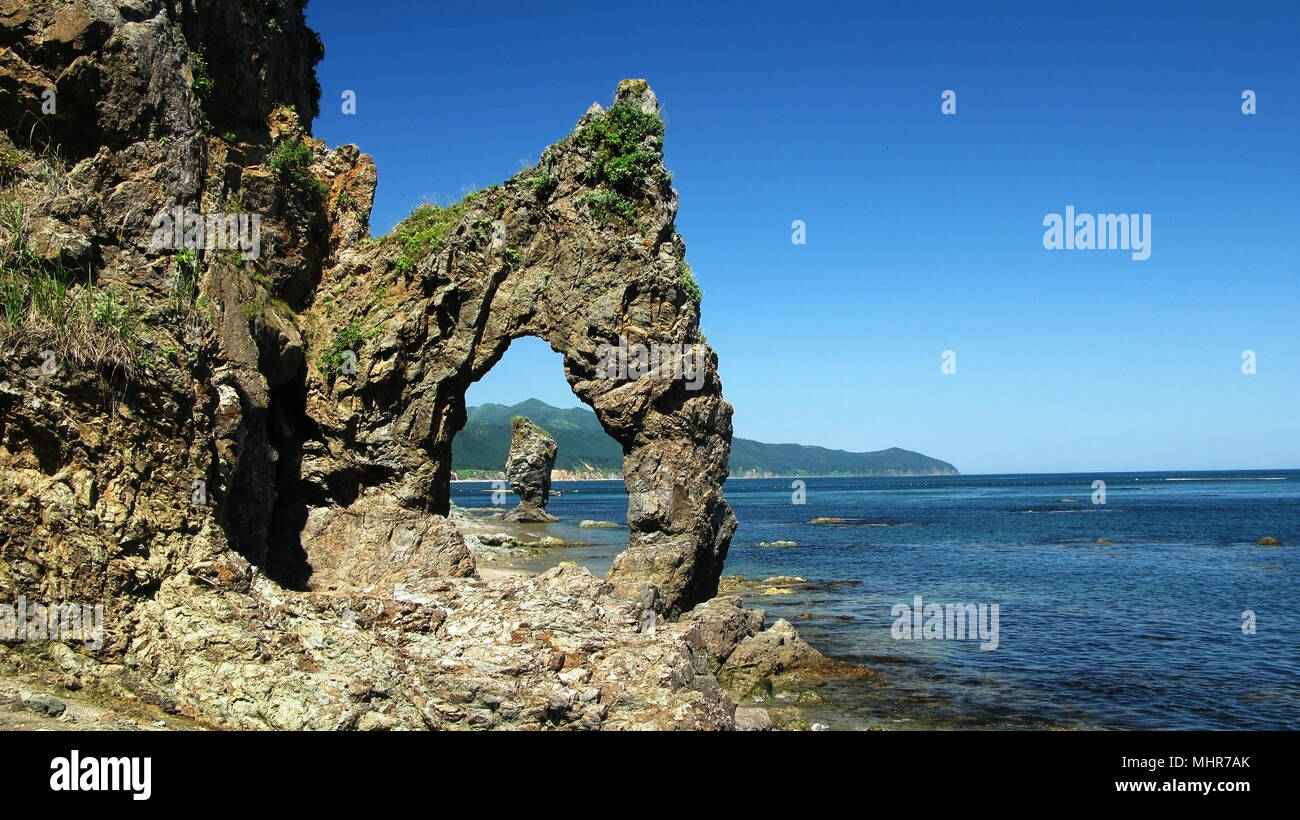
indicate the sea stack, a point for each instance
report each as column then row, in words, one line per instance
column 528, row 469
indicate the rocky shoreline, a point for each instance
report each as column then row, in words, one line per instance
column 766, row 669
column 499, row 649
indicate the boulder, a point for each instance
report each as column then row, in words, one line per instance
column 723, row 623
column 374, row 545
column 752, row 719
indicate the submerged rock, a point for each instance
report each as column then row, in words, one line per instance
column 774, row 585
column 528, row 469
column 1269, row 541
column 778, row 658
column 588, row 524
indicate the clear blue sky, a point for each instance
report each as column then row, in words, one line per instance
column 924, row 231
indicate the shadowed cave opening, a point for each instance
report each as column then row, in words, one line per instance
column 288, row 426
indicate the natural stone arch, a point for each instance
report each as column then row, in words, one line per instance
column 575, row 252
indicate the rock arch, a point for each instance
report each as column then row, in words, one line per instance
column 580, row 251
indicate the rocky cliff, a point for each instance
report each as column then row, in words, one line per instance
column 226, row 413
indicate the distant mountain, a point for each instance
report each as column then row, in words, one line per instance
column 755, row 458
column 585, row 451
column 584, row 447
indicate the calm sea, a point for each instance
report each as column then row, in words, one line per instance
column 1125, row 615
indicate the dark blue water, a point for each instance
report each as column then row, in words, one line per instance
column 1143, row 633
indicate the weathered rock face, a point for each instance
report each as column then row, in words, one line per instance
column 154, row 442
column 723, row 624
column 246, row 460
column 123, row 72
column 528, row 469
column 375, row 544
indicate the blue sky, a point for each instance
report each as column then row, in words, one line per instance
column 924, row 231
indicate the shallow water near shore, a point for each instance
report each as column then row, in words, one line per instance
column 1122, row 615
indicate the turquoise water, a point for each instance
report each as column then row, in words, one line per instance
column 1143, row 633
